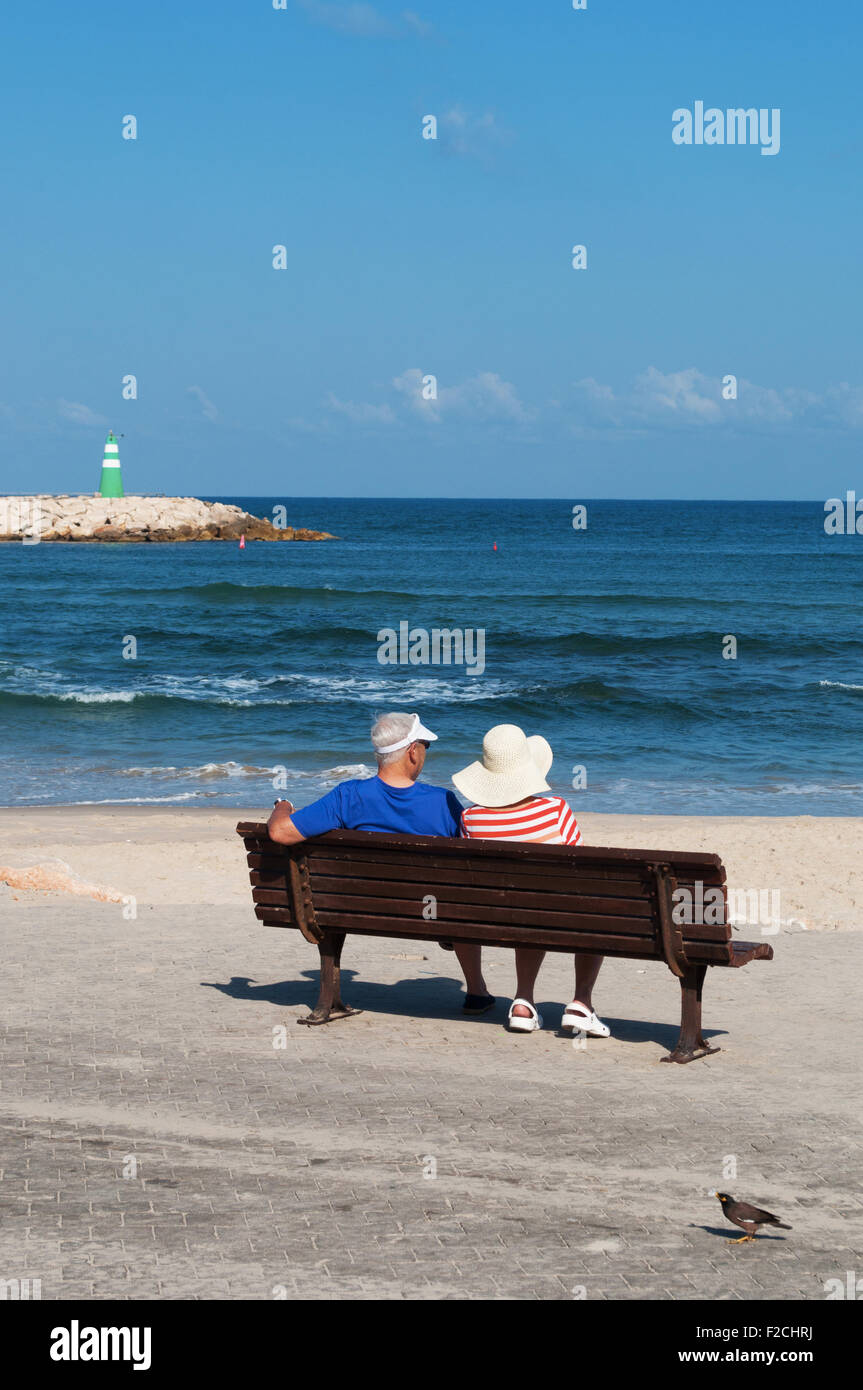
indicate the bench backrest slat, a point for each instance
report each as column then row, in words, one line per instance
column 350, row 843
column 475, row 872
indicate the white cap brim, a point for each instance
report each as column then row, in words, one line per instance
column 418, row 734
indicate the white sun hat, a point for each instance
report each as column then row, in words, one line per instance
column 513, row 766
column 417, row 733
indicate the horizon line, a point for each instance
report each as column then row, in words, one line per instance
column 411, row 497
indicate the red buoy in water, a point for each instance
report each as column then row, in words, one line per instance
column 243, row 541
column 494, row 547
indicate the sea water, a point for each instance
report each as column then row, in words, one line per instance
column 257, row 673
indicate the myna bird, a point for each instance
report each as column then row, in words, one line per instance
column 748, row 1218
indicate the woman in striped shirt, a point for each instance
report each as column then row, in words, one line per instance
column 508, row 788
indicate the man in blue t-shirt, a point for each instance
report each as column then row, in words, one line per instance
column 393, row 802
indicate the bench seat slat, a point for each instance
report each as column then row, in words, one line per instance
column 500, row 933
column 566, row 914
column 742, row 952
column 576, row 916
column 632, row 947
column 569, row 913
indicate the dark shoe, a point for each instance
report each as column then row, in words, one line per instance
column 478, row 1004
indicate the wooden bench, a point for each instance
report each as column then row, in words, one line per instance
column 611, row 902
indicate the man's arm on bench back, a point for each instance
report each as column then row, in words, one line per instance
column 327, row 813
column 281, row 828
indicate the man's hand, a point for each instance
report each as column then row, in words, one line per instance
column 281, row 828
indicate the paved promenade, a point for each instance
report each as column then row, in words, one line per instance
column 155, row 1142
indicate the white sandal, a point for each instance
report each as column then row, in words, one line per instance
column 579, row 1017
column 517, row 1023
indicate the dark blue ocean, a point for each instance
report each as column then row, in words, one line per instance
column 608, row 641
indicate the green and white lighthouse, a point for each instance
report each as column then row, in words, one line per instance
column 112, row 476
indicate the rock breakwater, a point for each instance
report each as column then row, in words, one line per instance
column 85, row 518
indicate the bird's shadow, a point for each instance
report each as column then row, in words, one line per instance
column 431, row 996
column 725, row 1232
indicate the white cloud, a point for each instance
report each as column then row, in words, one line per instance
column 654, row 400
column 687, row 394
column 654, row 397
column 304, row 426
column 207, row 407
column 363, row 20
column 362, row 413
column 417, row 25
column 471, row 135
column 485, row 396
column 691, row 398
column 840, row 405
column 80, row 414
column 410, row 387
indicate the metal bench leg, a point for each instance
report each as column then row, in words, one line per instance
column 690, row 1043
column 329, row 1006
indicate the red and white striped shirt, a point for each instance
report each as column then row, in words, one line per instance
column 546, row 819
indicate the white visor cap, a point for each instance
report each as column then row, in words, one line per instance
column 418, row 732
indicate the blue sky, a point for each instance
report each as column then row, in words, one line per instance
column 302, row 127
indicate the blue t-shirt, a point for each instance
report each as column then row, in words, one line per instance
column 367, row 803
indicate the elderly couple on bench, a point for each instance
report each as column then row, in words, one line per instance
column 510, row 802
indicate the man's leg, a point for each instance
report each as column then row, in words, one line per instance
column 527, row 962
column 470, row 960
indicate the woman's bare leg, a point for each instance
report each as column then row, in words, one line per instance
column 586, row 971
column 528, row 959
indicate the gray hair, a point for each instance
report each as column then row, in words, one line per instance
column 390, row 728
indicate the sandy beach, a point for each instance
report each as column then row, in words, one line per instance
column 171, row 856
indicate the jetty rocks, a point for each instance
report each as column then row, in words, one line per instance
column 86, row 518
